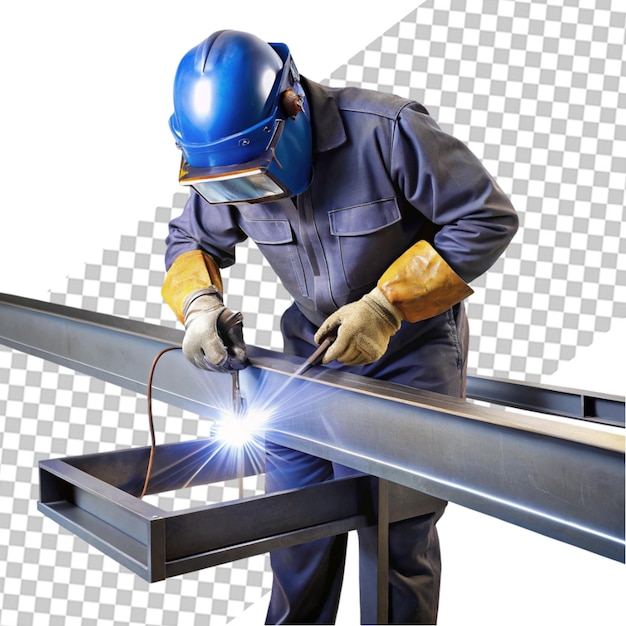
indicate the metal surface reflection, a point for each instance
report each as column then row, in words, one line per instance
column 556, row 475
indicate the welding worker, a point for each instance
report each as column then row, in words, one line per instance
column 374, row 220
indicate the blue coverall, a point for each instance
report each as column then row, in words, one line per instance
column 384, row 177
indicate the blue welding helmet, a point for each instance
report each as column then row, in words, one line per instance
column 241, row 120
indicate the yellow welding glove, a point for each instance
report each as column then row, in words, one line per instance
column 416, row 286
column 213, row 337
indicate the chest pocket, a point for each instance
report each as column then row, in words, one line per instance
column 275, row 240
column 271, row 232
column 370, row 238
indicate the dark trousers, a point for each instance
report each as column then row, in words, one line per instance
column 307, row 583
column 308, row 577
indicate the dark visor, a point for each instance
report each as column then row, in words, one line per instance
column 241, row 182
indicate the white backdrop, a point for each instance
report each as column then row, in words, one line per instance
column 86, row 95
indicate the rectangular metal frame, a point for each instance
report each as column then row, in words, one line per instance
column 92, row 497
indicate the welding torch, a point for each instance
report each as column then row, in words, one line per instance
column 317, row 356
column 314, row 359
column 239, row 402
column 228, row 323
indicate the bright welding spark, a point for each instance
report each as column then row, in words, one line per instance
column 240, row 431
column 290, row 400
column 237, row 441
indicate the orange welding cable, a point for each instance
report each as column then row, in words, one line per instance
column 151, row 418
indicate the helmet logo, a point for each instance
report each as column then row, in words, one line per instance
column 244, row 142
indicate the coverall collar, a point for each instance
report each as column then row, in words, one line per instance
column 328, row 129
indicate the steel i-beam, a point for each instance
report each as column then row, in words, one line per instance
column 558, row 471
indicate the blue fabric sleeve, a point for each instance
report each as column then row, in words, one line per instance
column 202, row 226
column 446, row 182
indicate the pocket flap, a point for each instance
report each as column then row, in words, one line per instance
column 268, row 231
column 362, row 219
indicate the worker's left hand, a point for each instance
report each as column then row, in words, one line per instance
column 363, row 329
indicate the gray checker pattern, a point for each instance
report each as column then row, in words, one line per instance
column 536, row 89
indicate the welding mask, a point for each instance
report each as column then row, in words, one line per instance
column 241, row 120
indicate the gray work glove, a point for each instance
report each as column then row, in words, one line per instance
column 363, row 329
column 213, row 337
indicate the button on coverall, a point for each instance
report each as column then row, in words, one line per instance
column 384, row 177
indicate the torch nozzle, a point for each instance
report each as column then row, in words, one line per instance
column 238, row 401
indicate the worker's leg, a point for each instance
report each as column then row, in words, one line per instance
column 433, row 360
column 414, row 571
column 414, row 567
column 307, row 577
column 438, row 365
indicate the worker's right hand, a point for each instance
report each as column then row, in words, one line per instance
column 363, row 329
column 213, row 334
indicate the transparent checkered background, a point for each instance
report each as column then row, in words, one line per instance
column 536, row 89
